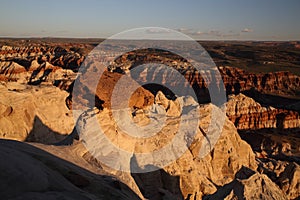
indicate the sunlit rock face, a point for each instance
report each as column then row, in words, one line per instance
column 247, row 114
column 31, row 113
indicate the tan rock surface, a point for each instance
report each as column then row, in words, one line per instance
column 29, row 112
column 196, row 176
column 249, row 186
column 259, row 186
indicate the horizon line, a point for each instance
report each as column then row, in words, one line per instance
column 103, row 38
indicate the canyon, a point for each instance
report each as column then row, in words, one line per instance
column 257, row 155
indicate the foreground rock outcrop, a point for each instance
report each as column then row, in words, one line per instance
column 196, row 176
column 32, row 173
column 34, row 113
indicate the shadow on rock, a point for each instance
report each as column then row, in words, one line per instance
column 156, row 185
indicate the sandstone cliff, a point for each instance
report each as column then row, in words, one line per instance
column 248, row 114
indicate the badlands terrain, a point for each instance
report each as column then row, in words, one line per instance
column 257, row 155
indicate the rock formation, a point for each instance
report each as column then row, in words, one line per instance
column 196, row 176
column 56, row 55
column 31, row 113
column 257, row 186
column 248, row 114
column 279, row 83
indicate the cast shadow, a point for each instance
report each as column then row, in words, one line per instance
column 272, row 141
column 156, row 185
column 41, row 133
column 28, row 172
column 275, row 101
column 36, row 72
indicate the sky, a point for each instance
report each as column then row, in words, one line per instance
column 200, row 19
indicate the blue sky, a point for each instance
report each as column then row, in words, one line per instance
column 207, row 19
